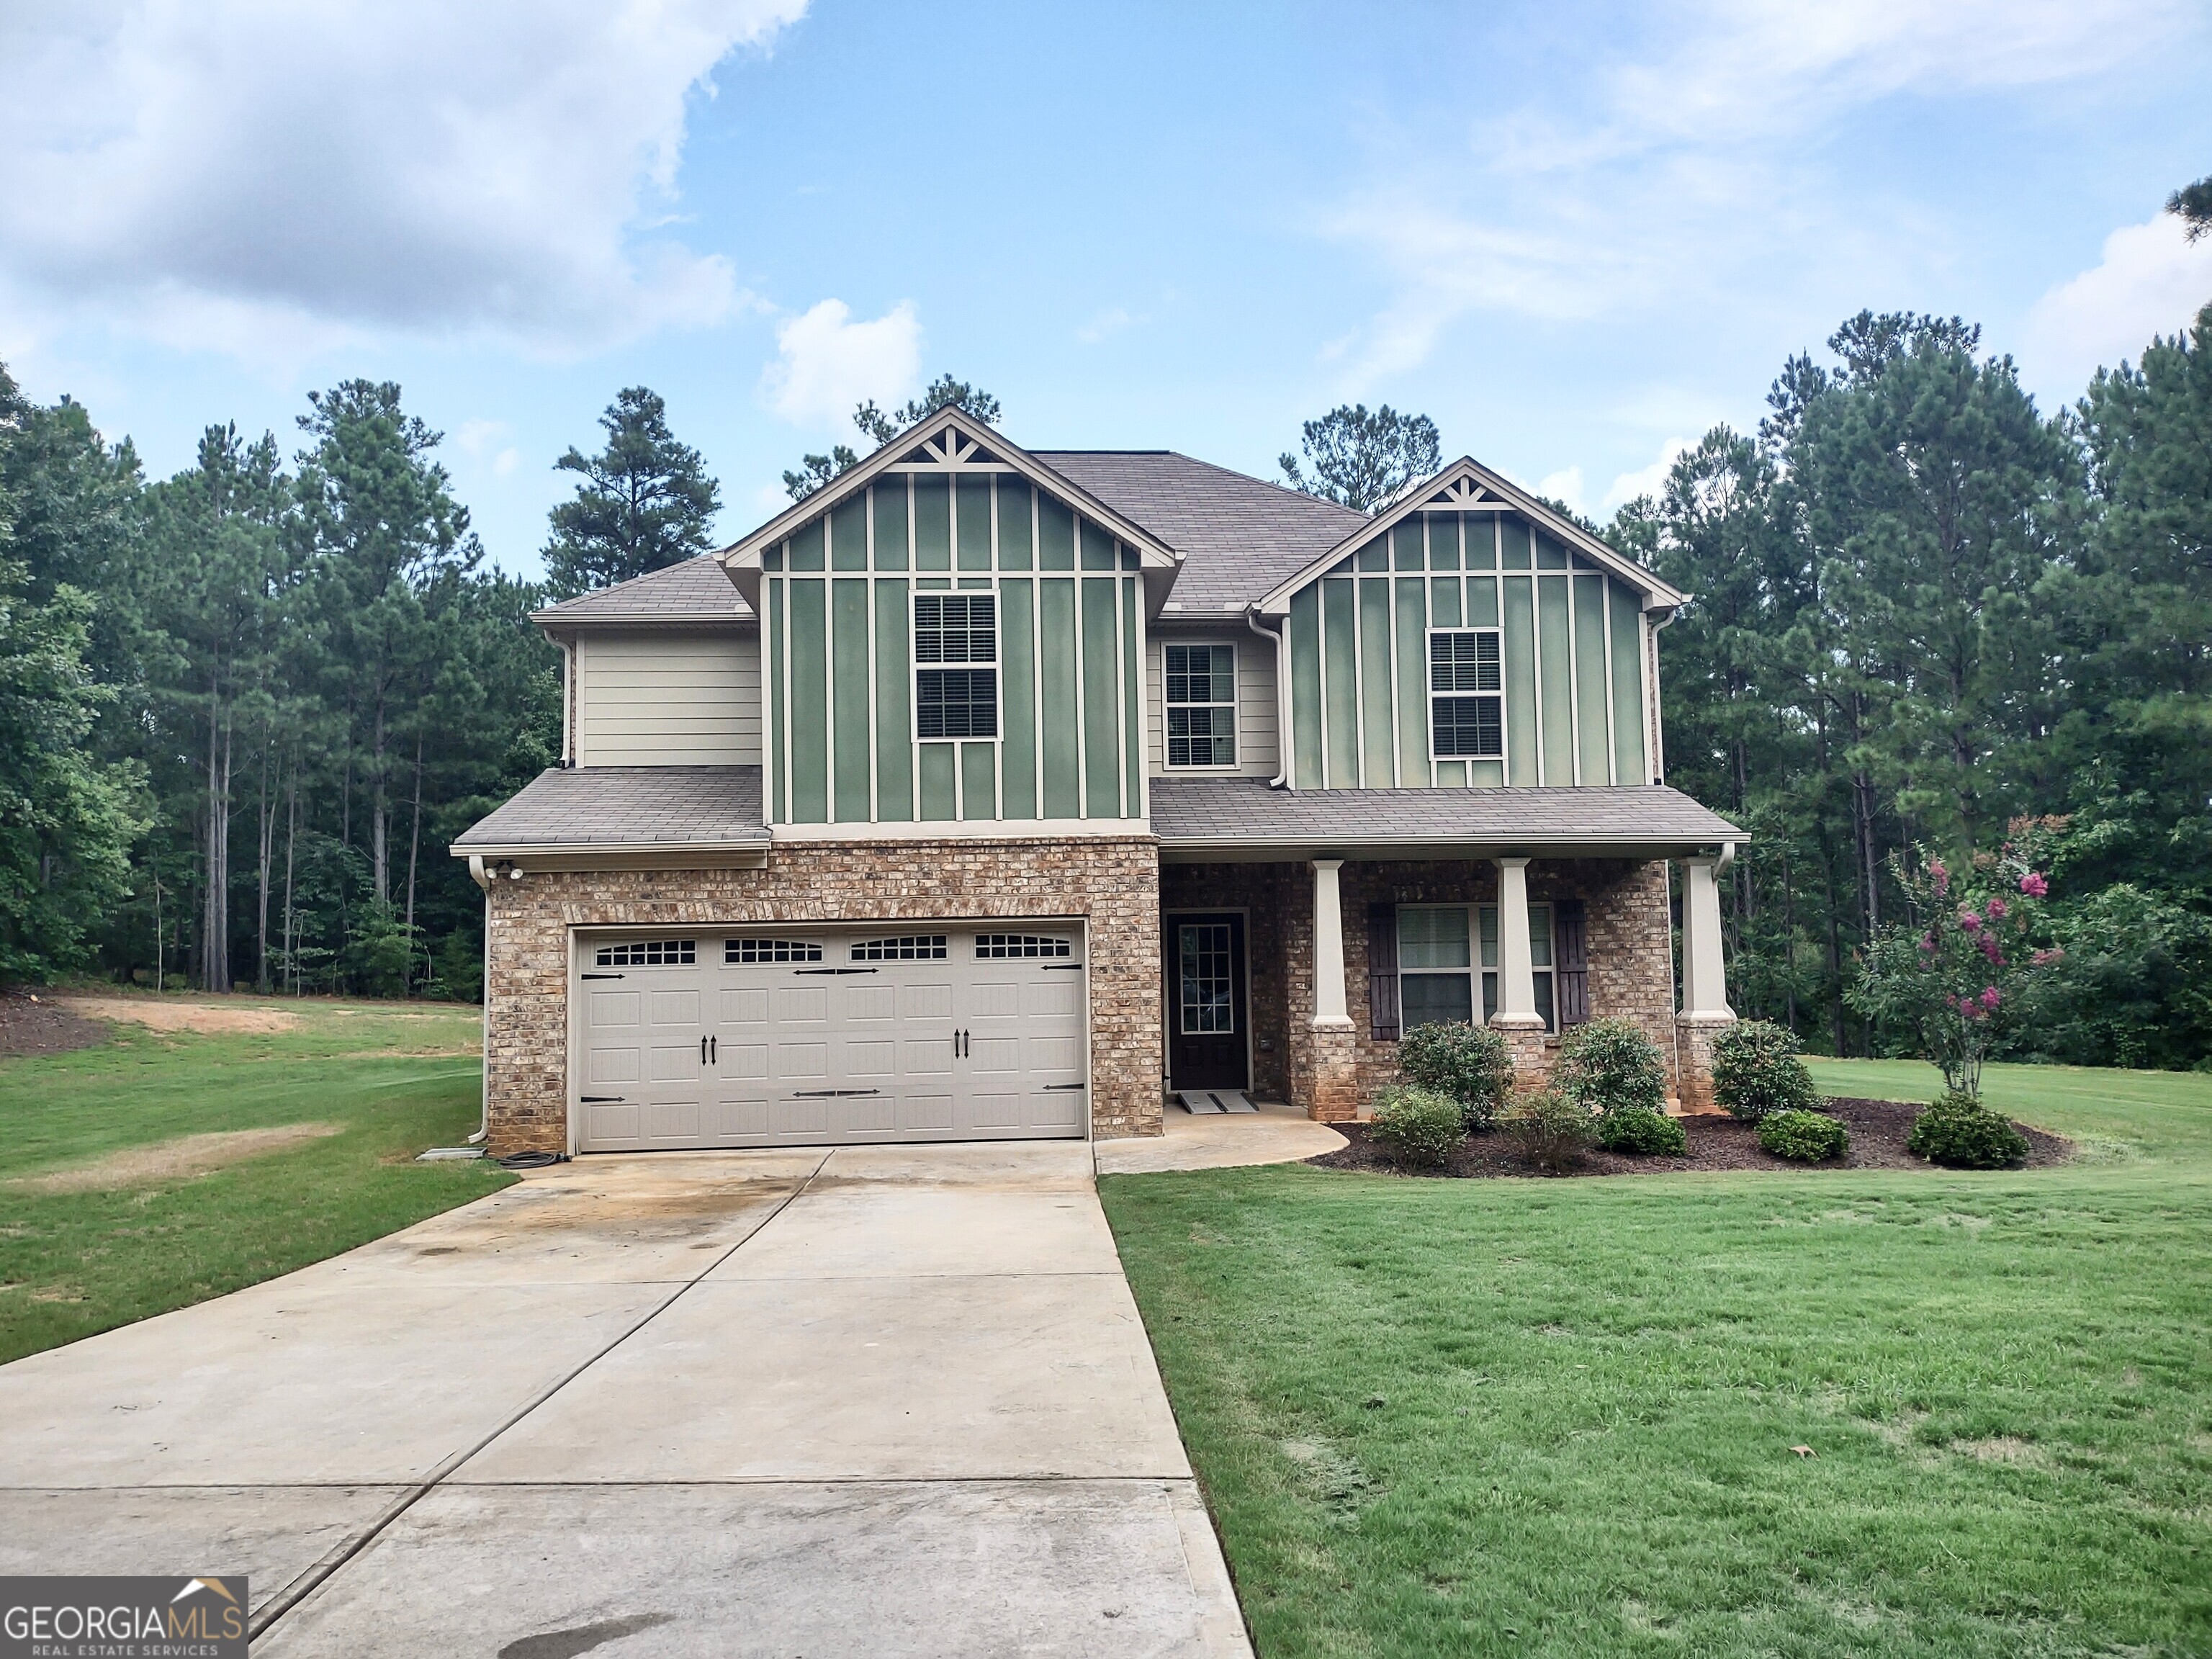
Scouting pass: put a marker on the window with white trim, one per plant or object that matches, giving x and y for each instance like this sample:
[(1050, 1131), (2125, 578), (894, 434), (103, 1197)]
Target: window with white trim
[(736, 952), (956, 657), (649, 953), (1467, 693), (999, 946), (1201, 704), (1447, 956), (908, 947)]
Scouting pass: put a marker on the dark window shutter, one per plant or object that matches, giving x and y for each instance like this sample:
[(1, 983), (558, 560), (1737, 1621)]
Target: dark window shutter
[(1383, 972), (1570, 943)]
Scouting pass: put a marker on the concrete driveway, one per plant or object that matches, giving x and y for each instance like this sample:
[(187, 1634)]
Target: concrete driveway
[(871, 1402)]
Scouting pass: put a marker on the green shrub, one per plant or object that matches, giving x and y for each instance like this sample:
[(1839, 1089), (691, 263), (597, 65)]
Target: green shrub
[(1466, 1063), (1417, 1126), (1610, 1066), (1756, 1071), (1960, 1133), (1552, 1131), (1803, 1137), (1647, 1133)]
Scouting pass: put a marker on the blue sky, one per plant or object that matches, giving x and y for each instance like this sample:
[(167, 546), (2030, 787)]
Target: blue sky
[(1576, 236)]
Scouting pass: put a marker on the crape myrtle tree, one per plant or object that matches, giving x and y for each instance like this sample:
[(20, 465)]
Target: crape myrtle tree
[(645, 502)]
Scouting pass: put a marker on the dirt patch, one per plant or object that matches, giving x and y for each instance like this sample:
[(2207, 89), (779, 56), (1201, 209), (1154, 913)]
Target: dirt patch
[(32, 1023), (213, 1019), (1879, 1128), (173, 1160)]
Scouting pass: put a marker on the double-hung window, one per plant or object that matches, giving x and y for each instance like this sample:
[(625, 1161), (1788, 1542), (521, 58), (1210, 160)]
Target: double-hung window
[(1467, 693), (1201, 705), (1448, 963), (956, 674)]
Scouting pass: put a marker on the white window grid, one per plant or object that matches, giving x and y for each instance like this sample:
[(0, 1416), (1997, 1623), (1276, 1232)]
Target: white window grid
[(969, 647), (1480, 969), (648, 953), (907, 947), (1467, 665), (997, 947), (1219, 738), (742, 950)]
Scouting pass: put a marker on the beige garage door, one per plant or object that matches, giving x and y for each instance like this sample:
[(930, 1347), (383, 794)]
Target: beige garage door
[(765, 1036)]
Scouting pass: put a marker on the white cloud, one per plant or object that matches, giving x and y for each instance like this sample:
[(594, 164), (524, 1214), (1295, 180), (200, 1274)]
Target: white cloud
[(2152, 280), (1689, 162), (1565, 485), (257, 177), (1643, 481), (826, 364), (479, 440)]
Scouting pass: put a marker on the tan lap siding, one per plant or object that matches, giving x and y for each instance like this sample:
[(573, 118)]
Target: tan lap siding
[(668, 698)]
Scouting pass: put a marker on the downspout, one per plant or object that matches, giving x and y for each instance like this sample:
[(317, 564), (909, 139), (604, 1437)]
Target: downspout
[(478, 875), (1284, 735), (1651, 673), (567, 703)]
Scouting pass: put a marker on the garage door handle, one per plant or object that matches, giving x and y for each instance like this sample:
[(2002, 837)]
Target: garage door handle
[(836, 971), (601, 976), (1066, 1085), (819, 1094), (1063, 967), (600, 1100)]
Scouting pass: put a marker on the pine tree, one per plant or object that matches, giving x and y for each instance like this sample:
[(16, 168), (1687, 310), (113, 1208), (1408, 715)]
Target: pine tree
[(646, 502)]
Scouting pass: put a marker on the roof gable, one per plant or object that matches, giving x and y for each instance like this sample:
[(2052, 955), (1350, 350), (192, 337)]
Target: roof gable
[(1468, 486), (950, 442)]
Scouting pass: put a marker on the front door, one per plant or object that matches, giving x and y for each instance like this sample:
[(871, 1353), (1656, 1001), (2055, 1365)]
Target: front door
[(1206, 1036)]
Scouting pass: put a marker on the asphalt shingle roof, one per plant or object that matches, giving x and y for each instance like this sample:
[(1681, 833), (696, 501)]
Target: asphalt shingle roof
[(695, 589), (1239, 536), (626, 806), (1228, 812)]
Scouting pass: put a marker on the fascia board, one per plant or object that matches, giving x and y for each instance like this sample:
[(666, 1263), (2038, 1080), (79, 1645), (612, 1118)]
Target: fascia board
[(743, 556), (1658, 595)]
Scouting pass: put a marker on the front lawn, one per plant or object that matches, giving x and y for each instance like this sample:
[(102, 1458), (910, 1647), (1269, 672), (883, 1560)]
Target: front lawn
[(163, 1167), (1523, 1416)]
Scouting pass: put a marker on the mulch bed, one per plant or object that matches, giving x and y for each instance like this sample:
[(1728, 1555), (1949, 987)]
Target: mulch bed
[(1878, 1131), (34, 1025)]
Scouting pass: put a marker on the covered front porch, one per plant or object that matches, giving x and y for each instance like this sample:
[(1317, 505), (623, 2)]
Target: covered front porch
[(1293, 964)]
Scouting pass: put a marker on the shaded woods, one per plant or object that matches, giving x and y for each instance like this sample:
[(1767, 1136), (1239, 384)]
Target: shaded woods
[(244, 709), (1924, 609)]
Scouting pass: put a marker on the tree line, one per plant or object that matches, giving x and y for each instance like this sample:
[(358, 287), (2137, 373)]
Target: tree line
[(244, 709)]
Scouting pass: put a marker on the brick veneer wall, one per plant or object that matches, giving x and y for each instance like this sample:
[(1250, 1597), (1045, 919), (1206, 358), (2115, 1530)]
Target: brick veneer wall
[(1112, 882), (1632, 971)]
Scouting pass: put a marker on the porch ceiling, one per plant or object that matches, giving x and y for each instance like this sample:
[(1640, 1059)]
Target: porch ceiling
[(1233, 820)]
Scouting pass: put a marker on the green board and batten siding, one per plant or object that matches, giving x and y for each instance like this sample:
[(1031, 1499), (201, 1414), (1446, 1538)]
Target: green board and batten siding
[(1574, 656), (837, 604)]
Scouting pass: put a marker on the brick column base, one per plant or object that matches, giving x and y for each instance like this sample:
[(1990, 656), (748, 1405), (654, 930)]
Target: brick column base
[(1693, 1050), (1532, 1061), (1332, 1077)]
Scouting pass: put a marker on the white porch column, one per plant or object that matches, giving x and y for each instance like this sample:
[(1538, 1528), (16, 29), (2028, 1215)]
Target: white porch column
[(1704, 981), (1517, 971), (1329, 1008)]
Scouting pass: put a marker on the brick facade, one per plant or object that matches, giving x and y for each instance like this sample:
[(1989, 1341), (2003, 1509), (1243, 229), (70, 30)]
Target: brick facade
[(1112, 882), (1631, 974)]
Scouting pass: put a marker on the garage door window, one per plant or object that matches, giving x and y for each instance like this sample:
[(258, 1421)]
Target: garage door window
[(738, 950), (649, 953), (911, 947), (997, 946)]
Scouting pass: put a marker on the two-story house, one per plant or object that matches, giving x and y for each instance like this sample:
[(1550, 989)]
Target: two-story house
[(990, 793)]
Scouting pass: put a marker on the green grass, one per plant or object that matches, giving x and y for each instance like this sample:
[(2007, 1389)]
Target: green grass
[(392, 1079), (1524, 1417)]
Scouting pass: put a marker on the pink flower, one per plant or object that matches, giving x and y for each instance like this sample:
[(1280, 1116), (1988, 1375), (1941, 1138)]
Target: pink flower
[(1969, 919), (1992, 949), (1940, 876), (2045, 958), (2033, 884), (1996, 907), (1989, 997), (1928, 942)]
